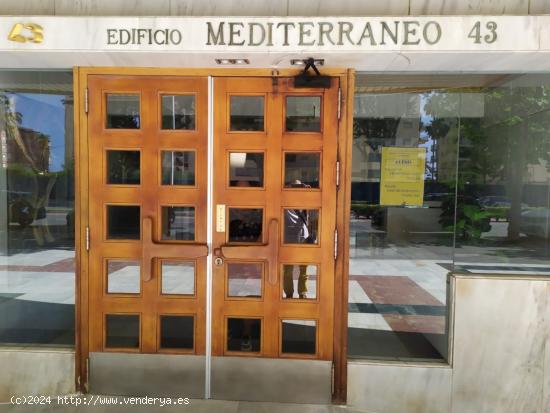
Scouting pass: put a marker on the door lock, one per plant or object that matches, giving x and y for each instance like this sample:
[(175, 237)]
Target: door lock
[(218, 261)]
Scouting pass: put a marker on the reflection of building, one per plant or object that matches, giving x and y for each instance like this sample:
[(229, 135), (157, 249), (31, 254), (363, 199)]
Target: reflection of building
[(366, 164), (382, 120), (303, 167), (68, 103), (538, 173), (445, 152), (35, 145)]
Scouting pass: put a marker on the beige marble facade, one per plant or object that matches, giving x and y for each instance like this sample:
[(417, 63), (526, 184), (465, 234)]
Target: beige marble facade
[(499, 344), (398, 388), (272, 8), (29, 371)]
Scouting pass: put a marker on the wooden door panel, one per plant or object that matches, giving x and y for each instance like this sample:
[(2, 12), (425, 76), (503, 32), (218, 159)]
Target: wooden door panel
[(150, 139), (153, 139), (275, 199)]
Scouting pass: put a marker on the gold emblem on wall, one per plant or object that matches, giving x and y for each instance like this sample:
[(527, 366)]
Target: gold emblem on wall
[(26, 32)]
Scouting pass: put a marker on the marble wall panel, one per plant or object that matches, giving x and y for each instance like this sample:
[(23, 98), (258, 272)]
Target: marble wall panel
[(468, 7), (228, 8), (387, 388), (499, 338), (112, 7), (27, 7), (36, 372), (348, 8), (272, 8), (546, 384), (539, 6)]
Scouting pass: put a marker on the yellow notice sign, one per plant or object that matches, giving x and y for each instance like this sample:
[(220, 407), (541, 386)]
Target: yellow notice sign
[(402, 177)]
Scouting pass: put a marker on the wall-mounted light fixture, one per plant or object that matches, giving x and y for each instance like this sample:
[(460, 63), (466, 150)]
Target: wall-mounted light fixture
[(233, 61), (302, 62)]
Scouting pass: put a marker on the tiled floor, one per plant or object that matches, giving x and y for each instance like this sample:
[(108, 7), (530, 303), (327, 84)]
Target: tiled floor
[(394, 303), (393, 289), (384, 289), (397, 294), (195, 406)]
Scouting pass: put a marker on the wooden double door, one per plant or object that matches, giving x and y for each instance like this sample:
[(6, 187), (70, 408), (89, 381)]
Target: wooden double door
[(215, 193)]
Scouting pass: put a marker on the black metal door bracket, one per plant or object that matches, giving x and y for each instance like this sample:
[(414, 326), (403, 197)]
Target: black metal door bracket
[(304, 80)]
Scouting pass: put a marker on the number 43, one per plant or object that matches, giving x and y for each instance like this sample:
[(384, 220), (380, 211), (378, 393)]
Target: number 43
[(475, 33)]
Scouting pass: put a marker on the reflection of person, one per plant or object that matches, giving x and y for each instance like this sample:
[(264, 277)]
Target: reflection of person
[(297, 231), (296, 226), (182, 118), (243, 184), (178, 113), (288, 281), (297, 223), (170, 228), (246, 338)]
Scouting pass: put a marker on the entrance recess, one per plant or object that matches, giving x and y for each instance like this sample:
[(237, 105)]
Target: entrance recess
[(272, 199)]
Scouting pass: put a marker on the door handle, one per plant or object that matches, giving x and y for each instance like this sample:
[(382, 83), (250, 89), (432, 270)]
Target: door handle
[(268, 251), (151, 249)]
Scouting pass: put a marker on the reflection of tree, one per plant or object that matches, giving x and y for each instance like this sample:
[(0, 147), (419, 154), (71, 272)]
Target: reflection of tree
[(437, 129), (498, 145), (33, 166), (524, 140), (373, 133), (399, 121)]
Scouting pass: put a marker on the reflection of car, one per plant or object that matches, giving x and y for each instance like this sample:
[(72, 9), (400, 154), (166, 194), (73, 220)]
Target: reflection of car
[(378, 218), (435, 199), (363, 210), (494, 201), (535, 222), (498, 207), (498, 202), (22, 211)]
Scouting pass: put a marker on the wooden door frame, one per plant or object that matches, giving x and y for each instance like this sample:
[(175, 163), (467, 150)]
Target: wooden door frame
[(81, 163)]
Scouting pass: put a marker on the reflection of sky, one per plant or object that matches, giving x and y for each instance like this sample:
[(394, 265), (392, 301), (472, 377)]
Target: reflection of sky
[(46, 114), (425, 121)]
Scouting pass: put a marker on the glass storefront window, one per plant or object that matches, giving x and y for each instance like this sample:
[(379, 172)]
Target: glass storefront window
[(480, 203), (449, 173), (503, 217), (400, 249), (37, 272)]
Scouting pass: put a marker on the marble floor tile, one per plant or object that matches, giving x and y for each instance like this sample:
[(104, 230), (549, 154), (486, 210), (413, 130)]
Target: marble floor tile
[(39, 258), (396, 290), (416, 323), (368, 321), (357, 294)]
